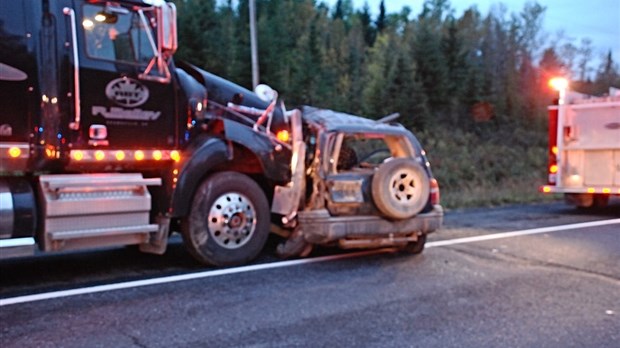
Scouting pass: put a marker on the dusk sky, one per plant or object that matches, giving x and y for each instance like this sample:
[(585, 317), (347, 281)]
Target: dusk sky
[(598, 20)]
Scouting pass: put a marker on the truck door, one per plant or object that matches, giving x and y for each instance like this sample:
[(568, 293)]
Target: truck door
[(124, 96), (16, 67)]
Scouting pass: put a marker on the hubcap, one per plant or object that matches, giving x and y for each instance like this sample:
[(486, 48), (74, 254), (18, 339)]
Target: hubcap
[(232, 220)]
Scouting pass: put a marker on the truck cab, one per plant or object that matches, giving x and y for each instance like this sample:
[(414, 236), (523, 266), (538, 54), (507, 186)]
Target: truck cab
[(105, 139)]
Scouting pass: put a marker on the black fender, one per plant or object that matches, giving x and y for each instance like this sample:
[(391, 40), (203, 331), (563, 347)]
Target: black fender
[(274, 158), (208, 154)]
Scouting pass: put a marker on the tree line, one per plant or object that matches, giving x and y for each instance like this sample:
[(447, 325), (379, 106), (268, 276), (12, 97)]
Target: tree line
[(435, 68), (475, 77)]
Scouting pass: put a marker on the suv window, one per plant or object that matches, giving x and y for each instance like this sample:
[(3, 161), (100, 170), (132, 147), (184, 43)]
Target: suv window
[(368, 150), (361, 151)]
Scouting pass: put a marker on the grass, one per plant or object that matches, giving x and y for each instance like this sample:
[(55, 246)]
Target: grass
[(515, 190), (487, 169)]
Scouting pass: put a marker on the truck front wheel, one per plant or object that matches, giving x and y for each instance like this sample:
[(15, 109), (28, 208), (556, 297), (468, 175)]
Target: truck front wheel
[(229, 220)]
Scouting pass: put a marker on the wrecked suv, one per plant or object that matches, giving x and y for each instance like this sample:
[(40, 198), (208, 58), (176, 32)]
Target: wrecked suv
[(366, 184)]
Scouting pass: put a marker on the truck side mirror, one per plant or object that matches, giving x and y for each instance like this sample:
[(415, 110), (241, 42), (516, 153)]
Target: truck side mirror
[(168, 27)]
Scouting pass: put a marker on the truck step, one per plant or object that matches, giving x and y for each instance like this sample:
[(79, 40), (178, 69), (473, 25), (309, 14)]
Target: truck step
[(98, 232), (16, 247)]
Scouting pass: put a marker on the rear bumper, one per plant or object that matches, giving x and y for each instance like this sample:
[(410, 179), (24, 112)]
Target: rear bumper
[(321, 228)]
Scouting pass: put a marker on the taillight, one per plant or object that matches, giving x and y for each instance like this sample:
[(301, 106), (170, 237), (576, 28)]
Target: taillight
[(435, 196)]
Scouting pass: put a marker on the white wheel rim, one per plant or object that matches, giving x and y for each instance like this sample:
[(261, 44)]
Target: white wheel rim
[(404, 188)]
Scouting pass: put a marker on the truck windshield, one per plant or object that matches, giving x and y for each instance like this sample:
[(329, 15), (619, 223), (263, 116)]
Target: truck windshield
[(117, 34)]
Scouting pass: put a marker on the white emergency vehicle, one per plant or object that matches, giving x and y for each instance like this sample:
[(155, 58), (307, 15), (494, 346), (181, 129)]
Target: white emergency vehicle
[(584, 146)]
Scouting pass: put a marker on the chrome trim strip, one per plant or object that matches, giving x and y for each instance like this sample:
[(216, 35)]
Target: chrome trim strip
[(75, 125), (16, 242), (6, 211)]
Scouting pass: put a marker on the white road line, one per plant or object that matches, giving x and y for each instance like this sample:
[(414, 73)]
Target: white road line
[(265, 266), (178, 278), (522, 233)]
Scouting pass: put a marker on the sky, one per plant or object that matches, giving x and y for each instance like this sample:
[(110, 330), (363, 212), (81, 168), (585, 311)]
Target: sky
[(598, 20)]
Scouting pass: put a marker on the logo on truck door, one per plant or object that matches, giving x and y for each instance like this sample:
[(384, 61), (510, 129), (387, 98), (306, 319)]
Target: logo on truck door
[(127, 92)]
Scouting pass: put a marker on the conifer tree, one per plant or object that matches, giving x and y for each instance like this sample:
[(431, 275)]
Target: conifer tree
[(380, 23), (607, 76)]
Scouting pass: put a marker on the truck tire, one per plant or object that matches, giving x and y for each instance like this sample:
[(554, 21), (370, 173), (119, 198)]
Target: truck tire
[(600, 201), (229, 219), (400, 188), (587, 200)]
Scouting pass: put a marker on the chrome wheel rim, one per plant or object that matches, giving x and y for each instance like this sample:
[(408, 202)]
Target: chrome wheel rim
[(232, 220)]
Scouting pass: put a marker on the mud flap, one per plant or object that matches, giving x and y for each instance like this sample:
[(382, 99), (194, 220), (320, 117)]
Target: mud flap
[(158, 241)]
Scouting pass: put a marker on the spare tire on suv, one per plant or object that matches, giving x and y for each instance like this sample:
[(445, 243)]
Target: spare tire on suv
[(400, 188)]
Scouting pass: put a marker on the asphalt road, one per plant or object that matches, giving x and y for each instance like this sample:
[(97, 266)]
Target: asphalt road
[(553, 289)]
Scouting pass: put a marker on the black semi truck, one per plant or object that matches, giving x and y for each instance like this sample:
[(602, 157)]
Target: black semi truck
[(106, 140)]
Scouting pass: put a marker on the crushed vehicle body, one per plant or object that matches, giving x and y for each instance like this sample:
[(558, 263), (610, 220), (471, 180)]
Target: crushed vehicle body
[(369, 184)]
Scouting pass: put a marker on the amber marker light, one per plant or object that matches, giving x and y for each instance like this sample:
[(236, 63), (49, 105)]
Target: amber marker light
[(120, 155), (591, 190), (283, 135), (607, 190), (157, 155), (99, 155), (77, 155), (138, 155), (15, 152), (175, 155), (554, 150), (546, 189), (553, 169)]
